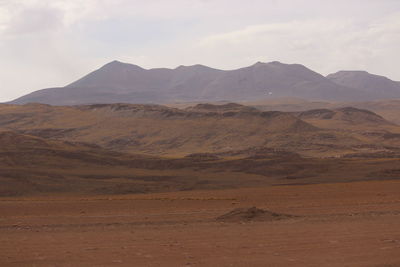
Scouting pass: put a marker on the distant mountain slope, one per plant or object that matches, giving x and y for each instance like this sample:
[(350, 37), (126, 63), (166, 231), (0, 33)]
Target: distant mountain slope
[(377, 86), (118, 82)]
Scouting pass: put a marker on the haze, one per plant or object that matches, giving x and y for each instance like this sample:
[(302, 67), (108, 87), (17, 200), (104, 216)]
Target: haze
[(51, 43)]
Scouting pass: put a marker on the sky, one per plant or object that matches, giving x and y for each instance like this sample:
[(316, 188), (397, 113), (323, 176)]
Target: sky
[(51, 43)]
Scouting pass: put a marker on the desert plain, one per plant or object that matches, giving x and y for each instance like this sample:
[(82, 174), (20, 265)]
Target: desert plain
[(341, 224)]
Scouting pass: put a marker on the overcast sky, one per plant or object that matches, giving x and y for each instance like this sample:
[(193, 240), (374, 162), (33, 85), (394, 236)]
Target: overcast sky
[(50, 43)]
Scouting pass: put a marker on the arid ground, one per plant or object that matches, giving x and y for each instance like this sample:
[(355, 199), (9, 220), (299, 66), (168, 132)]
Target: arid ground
[(341, 224)]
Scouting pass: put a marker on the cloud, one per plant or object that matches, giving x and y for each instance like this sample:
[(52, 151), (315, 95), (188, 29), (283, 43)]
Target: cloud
[(45, 43), (4, 19), (33, 20), (323, 44)]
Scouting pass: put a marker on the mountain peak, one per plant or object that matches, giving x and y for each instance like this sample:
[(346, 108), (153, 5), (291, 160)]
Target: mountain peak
[(259, 63), (276, 63), (115, 64), (194, 67), (272, 64)]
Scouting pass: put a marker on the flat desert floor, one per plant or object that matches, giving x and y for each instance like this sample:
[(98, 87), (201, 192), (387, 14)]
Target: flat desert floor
[(342, 224)]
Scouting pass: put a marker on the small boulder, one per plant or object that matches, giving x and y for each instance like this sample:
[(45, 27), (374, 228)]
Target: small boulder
[(251, 214)]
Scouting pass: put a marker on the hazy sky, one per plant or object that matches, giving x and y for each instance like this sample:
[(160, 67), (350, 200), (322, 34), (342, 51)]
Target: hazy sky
[(49, 43)]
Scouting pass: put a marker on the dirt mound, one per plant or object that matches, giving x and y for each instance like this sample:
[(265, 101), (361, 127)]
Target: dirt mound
[(355, 115), (251, 214)]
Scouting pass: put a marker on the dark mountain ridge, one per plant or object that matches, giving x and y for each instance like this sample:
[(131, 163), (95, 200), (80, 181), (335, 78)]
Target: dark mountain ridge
[(118, 82)]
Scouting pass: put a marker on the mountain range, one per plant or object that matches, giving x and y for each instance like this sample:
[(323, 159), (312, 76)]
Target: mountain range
[(118, 82)]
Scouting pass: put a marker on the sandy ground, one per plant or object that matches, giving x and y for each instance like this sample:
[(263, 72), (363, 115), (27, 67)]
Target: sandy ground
[(344, 224)]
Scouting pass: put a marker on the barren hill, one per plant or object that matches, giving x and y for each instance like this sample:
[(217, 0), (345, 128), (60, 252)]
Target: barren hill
[(204, 128), (156, 129), (346, 115), (378, 136), (388, 108)]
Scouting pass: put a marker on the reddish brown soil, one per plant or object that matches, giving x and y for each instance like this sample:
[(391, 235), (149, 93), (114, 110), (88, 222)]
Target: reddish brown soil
[(343, 224)]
